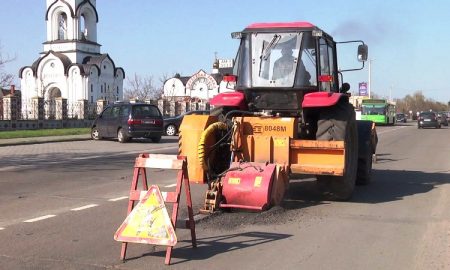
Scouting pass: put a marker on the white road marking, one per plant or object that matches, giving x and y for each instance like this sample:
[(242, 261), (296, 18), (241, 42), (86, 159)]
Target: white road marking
[(124, 153), (84, 207), (1, 229), (11, 168), (389, 130), (169, 186), (88, 157), (39, 218), (118, 199)]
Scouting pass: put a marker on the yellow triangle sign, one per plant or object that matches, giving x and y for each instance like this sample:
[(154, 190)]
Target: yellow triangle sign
[(148, 222)]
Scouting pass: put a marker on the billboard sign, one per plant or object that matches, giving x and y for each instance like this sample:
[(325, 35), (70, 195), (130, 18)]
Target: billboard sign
[(363, 89)]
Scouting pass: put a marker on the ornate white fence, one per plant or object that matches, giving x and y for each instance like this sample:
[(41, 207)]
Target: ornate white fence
[(39, 113)]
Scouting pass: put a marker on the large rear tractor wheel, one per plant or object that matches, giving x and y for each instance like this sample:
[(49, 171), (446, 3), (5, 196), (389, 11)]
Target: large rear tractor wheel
[(337, 123), (219, 112)]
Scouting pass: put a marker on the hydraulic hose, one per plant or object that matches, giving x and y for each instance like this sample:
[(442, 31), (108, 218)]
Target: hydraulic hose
[(201, 151), (239, 112)]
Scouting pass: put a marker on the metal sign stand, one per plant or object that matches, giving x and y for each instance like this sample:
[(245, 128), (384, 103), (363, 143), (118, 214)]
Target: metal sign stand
[(144, 161)]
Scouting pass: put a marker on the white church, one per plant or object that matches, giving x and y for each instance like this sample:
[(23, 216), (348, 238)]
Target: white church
[(71, 65)]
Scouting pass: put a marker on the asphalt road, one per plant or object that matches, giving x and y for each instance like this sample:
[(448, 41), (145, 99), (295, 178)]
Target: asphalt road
[(61, 203)]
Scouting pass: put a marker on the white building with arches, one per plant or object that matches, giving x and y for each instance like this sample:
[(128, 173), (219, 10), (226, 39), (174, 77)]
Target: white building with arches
[(71, 65), (201, 85)]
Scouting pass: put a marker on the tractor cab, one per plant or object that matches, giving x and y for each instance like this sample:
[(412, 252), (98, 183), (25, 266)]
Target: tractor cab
[(278, 63)]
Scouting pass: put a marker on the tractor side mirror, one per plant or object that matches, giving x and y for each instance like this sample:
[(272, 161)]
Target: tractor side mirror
[(236, 35), (363, 52)]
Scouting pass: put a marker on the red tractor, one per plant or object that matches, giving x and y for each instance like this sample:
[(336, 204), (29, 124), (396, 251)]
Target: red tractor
[(290, 114)]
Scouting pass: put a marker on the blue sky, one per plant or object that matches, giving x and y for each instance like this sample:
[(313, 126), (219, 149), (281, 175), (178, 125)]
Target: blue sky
[(408, 40)]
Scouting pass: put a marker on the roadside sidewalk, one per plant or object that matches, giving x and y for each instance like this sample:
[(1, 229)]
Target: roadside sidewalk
[(35, 140)]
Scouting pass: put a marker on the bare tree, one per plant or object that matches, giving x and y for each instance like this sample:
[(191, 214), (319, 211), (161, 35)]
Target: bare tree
[(417, 102), (141, 88), (5, 78), (162, 80)]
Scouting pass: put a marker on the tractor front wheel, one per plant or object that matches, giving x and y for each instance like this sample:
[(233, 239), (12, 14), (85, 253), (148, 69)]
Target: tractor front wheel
[(338, 123)]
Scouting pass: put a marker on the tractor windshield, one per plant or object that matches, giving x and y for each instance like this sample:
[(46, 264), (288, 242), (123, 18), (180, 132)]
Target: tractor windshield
[(276, 60)]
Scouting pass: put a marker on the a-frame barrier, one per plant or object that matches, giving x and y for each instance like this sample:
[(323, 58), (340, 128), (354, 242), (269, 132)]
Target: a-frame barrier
[(144, 161)]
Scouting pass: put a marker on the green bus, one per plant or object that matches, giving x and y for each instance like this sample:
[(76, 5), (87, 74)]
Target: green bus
[(379, 111)]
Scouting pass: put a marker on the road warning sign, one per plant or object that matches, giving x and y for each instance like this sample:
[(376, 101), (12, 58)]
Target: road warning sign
[(148, 222)]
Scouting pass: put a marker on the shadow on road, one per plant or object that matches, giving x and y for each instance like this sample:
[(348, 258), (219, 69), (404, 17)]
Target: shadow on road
[(209, 247), (393, 185), (164, 139), (386, 186)]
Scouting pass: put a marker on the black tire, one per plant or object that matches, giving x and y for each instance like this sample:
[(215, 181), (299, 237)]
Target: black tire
[(156, 139), (95, 135), (364, 172), (367, 141), (338, 123), (221, 112), (121, 137), (171, 130)]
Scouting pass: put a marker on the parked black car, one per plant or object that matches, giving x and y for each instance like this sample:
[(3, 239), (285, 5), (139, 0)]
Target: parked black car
[(442, 118), (400, 117), (428, 119), (172, 124), (128, 120)]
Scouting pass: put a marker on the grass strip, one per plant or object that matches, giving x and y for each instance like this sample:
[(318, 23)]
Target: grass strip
[(43, 132)]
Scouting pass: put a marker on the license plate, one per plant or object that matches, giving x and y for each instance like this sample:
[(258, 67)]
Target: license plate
[(149, 121), (427, 120)]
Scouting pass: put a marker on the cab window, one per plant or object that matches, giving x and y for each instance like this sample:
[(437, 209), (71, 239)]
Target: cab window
[(306, 74), (326, 66)]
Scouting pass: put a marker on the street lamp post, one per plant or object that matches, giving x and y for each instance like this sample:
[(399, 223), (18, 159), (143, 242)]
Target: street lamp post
[(370, 78)]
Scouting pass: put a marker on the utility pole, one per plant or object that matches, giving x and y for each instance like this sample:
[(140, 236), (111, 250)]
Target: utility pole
[(370, 78), (390, 92)]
